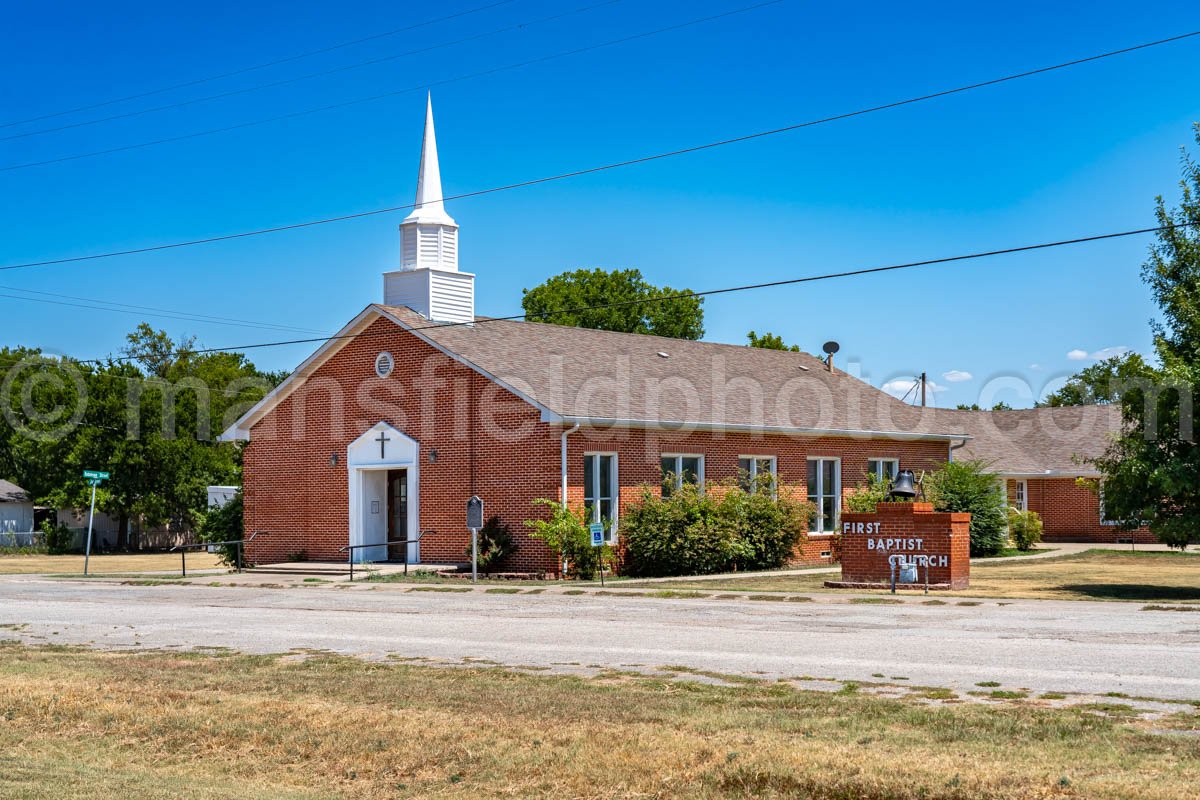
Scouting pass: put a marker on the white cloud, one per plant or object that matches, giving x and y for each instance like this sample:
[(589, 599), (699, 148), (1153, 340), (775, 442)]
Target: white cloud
[(957, 375), (1099, 355), (1036, 367), (902, 386), (1110, 352)]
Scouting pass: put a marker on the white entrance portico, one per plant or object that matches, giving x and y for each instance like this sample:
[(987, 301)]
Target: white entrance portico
[(382, 467)]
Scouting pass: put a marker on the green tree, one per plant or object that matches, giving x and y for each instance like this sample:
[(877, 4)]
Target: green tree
[(770, 341), (1151, 472), (153, 430), (999, 406), (615, 300), (1101, 383)]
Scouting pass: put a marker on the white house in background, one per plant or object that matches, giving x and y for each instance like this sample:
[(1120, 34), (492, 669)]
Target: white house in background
[(16, 514), (220, 495)]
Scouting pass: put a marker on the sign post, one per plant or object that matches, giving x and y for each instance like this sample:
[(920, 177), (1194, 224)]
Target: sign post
[(475, 522), (596, 529), (94, 477)]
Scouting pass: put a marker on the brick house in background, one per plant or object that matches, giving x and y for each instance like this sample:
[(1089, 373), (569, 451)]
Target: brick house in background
[(417, 404), (1043, 455)]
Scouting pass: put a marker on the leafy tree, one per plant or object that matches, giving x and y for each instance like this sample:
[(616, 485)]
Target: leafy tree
[(153, 430), (999, 406), (969, 486), (1101, 383), (630, 304), (770, 341), (1151, 472)]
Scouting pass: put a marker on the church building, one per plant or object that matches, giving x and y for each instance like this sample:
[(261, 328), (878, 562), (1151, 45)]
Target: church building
[(418, 403)]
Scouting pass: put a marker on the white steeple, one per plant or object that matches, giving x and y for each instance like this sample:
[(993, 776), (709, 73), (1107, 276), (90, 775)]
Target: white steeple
[(429, 206), (428, 280)]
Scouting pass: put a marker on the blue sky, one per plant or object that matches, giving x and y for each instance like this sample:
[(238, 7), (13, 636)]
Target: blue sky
[(1072, 153)]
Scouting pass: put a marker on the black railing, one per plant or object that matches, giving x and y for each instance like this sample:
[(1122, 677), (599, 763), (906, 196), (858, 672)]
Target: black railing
[(241, 543), (350, 548)]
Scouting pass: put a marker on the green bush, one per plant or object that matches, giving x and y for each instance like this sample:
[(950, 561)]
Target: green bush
[(1024, 528), (223, 524), (721, 529), (495, 544), (968, 486), (863, 499), (566, 533), (56, 538), (687, 533)]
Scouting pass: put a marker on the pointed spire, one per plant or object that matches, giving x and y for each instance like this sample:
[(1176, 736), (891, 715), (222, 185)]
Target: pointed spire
[(429, 206)]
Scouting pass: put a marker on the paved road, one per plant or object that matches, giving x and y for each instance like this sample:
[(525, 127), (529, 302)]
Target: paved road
[(1040, 645)]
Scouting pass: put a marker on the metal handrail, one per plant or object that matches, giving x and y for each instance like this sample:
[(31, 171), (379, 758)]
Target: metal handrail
[(241, 543), (352, 547)]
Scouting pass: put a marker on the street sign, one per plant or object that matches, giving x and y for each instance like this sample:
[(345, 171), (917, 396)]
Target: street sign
[(94, 477), (597, 531), (475, 512)]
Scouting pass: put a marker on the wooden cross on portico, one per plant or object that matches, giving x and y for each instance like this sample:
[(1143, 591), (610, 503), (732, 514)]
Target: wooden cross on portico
[(383, 440)]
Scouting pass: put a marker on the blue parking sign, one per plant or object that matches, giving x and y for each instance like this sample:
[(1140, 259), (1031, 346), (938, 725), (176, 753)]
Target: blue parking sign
[(597, 530)]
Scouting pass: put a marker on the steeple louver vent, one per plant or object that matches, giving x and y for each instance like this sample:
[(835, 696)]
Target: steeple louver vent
[(428, 280)]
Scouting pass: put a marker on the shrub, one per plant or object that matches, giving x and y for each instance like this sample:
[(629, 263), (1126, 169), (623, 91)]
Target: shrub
[(56, 538), (1024, 528), (495, 544), (768, 527), (724, 528), (566, 533), (863, 499), (687, 533), (968, 486), (223, 524)]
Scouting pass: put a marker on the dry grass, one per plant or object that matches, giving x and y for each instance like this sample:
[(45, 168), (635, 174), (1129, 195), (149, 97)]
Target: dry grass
[(1092, 575), (78, 725), (117, 564)]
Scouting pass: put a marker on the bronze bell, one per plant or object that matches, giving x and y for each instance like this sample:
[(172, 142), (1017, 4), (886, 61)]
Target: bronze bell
[(904, 485)]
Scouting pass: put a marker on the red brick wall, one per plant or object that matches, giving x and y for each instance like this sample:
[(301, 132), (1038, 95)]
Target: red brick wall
[(1071, 513), (938, 533), (639, 451), (489, 443), (294, 493)]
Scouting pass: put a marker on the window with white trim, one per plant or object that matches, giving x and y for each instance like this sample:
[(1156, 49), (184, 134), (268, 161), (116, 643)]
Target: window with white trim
[(1104, 520), (601, 490), (1020, 499), (680, 467), (884, 469), (825, 493), (755, 472)]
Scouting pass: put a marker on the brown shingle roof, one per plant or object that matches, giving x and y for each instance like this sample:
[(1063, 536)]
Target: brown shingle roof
[(11, 493), (583, 373), (1037, 440)]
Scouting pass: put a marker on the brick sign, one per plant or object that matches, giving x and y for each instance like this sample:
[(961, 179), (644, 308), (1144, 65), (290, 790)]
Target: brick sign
[(907, 539)]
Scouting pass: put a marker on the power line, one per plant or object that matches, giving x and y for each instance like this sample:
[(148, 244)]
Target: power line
[(96, 304), (605, 167), (726, 290), (310, 75), (384, 95), (255, 67)]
